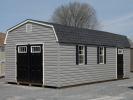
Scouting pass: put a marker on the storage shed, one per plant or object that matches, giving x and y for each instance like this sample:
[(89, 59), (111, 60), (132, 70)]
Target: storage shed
[(50, 54)]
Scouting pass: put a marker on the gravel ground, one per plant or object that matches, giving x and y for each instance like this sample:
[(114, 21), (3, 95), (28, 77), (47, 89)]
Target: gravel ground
[(113, 90)]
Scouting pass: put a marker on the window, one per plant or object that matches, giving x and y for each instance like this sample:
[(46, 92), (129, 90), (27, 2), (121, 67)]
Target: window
[(22, 49), (101, 55), (35, 49), (81, 54), (120, 51), (28, 28)]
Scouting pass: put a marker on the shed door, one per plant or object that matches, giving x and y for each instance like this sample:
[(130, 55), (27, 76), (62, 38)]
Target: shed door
[(120, 72), (23, 63), (36, 63), (29, 63)]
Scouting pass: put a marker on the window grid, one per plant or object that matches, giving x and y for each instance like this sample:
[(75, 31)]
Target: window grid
[(35, 49), (101, 55), (22, 49), (81, 54), (120, 51)]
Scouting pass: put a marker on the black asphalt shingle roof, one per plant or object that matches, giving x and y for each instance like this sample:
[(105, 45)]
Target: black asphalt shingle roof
[(68, 34), (89, 37)]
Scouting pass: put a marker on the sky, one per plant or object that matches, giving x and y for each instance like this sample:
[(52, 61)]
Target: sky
[(115, 16)]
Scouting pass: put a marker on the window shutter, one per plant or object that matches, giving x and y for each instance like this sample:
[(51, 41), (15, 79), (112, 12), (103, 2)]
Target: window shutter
[(97, 55), (85, 55), (77, 55), (104, 55)]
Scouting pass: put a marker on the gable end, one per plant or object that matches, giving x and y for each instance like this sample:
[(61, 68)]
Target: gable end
[(30, 21)]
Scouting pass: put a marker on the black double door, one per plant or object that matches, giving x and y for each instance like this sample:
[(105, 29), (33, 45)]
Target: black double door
[(30, 63), (120, 72)]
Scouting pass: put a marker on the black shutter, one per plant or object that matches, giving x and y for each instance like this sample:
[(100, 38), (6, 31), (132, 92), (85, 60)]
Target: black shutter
[(77, 55), (104, 55), (85, 55), (97, 55)]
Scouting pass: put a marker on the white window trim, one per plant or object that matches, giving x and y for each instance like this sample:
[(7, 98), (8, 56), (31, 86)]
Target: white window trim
[(101, 55), (120, 50), (35, 51), (81, 54), (20, 51)]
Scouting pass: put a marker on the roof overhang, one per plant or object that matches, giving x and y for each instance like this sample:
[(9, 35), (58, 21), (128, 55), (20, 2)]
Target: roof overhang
[(30, 21)]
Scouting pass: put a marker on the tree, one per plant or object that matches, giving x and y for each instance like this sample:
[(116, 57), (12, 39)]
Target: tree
[(76, 14)]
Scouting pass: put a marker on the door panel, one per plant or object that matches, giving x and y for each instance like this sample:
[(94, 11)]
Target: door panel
[(22, 63), (120, 66), (36, 63), (29, 63)]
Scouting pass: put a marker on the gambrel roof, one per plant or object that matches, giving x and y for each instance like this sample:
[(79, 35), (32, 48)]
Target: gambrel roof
[(73, 35)]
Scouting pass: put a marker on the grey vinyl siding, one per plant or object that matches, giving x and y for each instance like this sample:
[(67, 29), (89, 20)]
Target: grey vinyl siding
[(39, 34), (126, 57), (71, 74), (60, 67)]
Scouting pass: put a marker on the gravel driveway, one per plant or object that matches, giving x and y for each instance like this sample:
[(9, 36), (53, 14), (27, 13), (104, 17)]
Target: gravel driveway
[(113, 90)]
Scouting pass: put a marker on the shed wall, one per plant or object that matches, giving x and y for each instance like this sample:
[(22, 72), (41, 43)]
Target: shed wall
[(39, 34), (71, 74)]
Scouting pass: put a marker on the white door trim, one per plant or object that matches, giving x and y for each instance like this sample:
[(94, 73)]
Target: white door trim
[(42, 58)]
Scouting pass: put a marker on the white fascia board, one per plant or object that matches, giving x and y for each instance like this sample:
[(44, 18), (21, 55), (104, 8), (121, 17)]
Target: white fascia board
[(31, 21)]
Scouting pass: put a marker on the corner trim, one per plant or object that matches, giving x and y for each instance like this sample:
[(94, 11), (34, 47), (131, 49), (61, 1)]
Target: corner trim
[(116, 63)]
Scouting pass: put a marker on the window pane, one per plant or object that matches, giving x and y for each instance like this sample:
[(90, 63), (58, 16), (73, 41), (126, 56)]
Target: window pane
[(35, 49), (81, 59), (81, 52), (22, 49), (101, 55), (80, 48), (101, 59), (101, 50)]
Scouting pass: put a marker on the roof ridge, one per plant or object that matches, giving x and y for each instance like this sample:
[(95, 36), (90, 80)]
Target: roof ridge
[(51, 23)]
